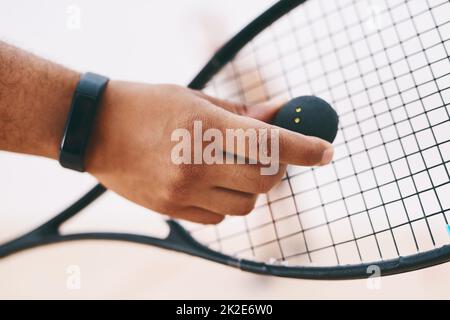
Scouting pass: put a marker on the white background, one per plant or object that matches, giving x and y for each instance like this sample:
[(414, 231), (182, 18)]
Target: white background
[(152, 41)]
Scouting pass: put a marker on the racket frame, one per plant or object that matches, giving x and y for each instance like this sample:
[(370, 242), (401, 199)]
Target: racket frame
[(179, 239)]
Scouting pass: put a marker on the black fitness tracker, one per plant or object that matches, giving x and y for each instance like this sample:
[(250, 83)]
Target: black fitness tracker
[(80, 120)]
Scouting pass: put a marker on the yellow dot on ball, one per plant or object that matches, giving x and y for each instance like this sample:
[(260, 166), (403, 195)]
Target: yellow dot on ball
[(298, 109), (297, 120)]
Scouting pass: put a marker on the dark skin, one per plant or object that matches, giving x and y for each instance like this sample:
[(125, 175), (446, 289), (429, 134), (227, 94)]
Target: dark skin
[(129, 149)]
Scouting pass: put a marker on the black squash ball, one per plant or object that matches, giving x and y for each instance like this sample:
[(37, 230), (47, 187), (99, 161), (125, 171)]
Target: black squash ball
[(310, 116)]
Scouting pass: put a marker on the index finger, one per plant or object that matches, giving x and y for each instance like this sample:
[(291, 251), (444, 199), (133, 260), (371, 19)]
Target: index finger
[(294, 148)]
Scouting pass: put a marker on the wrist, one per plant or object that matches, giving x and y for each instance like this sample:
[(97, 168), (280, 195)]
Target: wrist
[(98, 147), (80, 121), (59, 107)]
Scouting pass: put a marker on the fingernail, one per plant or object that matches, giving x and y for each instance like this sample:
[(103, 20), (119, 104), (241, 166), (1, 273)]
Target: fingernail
[(327, 156)]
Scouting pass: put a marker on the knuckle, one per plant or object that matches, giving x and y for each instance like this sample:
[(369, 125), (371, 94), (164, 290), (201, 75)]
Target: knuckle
[(266, 183), (244, 207), (283, 145), (239, 108), (178, 188), (279, 174), (167, 207), (185, 174), (214, 219), (198, 112), (177, 193), (254, 140), (247, 176), (263, 138), (189, 120), (247, 207)]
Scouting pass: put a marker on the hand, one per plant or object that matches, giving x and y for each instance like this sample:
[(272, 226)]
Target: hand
[(130, 151)]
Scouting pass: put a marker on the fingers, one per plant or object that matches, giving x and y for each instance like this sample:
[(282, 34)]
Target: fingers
[(264, 111), (304, 150), (233, 189), (245, 178), (294, 148), (227, 202), (199, 215), (234, 192), (261, 111)]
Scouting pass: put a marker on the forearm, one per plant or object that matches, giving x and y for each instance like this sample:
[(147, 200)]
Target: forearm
[(35, 97)]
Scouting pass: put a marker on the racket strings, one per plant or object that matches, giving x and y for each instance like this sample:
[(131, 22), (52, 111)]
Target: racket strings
[(360, 74), (385, 67), (332, 51)]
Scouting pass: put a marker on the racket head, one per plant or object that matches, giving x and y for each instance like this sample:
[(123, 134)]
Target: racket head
[(384, 66), (297, 230)]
